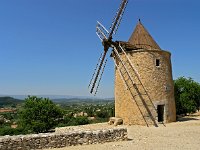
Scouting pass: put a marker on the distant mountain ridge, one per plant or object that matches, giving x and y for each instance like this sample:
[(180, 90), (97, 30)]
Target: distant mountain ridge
[(7, 101), (56, 97), (75, 100)]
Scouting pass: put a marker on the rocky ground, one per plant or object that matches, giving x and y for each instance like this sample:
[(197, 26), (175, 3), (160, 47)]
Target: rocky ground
[(183, 134)]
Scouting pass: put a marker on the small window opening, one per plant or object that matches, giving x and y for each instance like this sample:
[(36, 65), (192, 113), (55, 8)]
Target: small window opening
[(157, 62)]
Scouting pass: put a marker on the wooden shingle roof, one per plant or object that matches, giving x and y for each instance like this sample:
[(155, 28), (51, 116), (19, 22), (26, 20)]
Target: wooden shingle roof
[(142, 39)]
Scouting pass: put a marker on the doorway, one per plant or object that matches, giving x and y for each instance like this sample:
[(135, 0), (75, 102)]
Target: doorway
[(160, 111)]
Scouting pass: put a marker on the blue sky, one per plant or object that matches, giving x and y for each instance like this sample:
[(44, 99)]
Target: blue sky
[(50, 46)]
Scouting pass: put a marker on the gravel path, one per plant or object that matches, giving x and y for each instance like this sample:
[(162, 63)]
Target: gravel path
[(184, 135)]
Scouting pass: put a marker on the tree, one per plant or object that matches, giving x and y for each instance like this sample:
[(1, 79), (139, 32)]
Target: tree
[(187, 95), (90, 111), (39, 114), (102, 114)]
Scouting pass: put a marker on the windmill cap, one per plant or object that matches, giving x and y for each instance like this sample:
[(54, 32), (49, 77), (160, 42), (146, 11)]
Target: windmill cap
[(142, 39)]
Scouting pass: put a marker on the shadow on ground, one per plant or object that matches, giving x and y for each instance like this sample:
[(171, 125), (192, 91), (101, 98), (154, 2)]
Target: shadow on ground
[(186, 119)]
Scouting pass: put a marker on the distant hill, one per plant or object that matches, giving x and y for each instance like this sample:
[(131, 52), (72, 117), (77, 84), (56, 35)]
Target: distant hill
[(9, 101), (70, 101), (56, 97), (12, 100)]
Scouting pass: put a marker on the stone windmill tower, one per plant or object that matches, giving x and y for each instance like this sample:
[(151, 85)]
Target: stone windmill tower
[(151, 99), (144, 92)]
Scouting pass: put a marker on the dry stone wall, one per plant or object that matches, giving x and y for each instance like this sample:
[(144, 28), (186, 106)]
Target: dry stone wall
[(58, 140)]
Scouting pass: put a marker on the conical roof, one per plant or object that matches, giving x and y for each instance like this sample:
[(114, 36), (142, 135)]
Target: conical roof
[(142, 39)]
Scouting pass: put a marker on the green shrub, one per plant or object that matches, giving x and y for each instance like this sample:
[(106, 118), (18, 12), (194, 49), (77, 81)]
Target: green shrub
[(77, 121), (6, 130)]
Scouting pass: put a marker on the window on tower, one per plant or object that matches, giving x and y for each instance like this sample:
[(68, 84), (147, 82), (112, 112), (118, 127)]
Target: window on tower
[(157, 62)]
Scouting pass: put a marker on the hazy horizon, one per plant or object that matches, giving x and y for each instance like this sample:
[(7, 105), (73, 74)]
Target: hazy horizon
[(55, 96)]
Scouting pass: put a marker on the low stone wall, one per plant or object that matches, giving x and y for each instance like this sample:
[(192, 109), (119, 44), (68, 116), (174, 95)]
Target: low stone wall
[(58, 140)]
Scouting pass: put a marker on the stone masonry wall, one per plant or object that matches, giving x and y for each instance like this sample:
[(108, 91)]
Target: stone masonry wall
[(58, 140), (157, 81)]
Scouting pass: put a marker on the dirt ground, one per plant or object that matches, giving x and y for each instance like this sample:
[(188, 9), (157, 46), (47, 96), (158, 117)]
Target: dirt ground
[(183, 134)]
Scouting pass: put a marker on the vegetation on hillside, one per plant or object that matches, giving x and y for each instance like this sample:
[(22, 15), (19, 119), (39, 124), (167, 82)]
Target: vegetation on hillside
[(7, 101), (37, 115)]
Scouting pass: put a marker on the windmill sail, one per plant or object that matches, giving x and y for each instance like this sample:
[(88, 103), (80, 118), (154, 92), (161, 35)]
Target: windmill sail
[(99, 79), (101, 31), (97, 73), (95, 70), (117, 19), (106, 38)]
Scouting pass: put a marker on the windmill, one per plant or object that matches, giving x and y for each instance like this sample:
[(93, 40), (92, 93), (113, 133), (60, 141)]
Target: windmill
[(106, 38), (144, 92)]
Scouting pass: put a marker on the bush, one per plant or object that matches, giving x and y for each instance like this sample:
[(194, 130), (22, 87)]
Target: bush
[(82, 120), (72, 121), (6, 130)]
